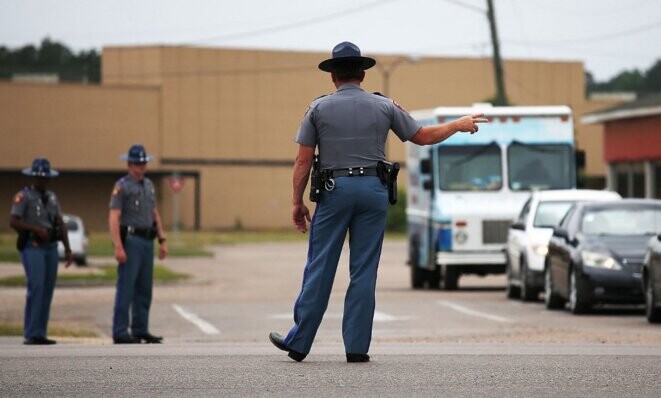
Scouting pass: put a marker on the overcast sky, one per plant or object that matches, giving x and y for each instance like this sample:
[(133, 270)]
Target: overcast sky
[(607, 35)]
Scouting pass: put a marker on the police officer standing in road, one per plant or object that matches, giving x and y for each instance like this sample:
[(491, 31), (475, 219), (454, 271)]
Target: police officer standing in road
[(134, 223), (36, 216), (350, 128)]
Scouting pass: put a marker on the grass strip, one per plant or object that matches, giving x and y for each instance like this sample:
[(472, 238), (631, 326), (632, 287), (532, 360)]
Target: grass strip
[(103, 275), (16, 329)]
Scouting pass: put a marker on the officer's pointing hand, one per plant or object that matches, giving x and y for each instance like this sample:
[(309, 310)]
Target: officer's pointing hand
[(300, 214), (468, 123)]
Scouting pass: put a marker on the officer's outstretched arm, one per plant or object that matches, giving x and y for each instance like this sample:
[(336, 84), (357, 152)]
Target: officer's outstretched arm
[(428, 135)]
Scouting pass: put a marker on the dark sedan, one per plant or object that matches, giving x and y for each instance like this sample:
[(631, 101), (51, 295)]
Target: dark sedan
[(652, 280), (596, 254)]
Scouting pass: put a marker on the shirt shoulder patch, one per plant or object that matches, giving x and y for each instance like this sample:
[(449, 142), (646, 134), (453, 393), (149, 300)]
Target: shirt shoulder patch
[(399, 106), (18, 198), (116, 189)]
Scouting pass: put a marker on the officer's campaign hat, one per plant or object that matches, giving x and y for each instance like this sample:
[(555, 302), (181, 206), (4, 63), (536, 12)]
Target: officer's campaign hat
[(40, 168), (344, 53), (137, 154)]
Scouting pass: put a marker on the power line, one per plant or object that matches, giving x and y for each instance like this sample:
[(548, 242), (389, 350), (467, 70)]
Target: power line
[(467, 6), (293, 25), (652, 26)]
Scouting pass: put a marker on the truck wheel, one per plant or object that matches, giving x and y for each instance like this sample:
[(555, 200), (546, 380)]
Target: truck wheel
[(418, 275), (450, 278), (434, 278), (551, 300), (579, 302)]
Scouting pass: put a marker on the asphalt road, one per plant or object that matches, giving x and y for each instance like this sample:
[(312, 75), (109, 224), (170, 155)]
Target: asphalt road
[(472, 342)]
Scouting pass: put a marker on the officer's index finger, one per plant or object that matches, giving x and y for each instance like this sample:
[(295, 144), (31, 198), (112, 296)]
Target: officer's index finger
[(479, 118)]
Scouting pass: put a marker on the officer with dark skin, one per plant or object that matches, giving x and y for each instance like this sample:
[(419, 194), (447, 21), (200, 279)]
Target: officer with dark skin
[(349, 128), (134, 223), (36, 216)]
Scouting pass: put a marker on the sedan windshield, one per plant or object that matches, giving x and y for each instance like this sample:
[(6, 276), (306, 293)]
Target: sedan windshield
[(470, 167), (631, 221)]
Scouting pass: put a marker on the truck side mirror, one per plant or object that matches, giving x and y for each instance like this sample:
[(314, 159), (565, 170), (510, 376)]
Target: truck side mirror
[(427, 185), (658, 237), (425, 166)]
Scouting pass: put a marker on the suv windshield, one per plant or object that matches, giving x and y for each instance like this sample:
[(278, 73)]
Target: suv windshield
[(470, 167), (540, 166), (549, 214)]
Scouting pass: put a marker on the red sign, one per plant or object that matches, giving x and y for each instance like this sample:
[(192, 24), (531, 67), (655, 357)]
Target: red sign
[(176, 184)]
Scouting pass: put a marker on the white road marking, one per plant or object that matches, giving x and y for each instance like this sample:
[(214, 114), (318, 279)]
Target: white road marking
[(204, 326), (378, 316), (468, 311)]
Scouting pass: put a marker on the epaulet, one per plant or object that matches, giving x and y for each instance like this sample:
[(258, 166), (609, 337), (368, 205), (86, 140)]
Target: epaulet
[(322, 96), (379, 94)]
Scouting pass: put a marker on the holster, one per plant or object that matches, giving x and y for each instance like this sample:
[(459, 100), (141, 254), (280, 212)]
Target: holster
[(316, 181), (22, 240), (387, 173)]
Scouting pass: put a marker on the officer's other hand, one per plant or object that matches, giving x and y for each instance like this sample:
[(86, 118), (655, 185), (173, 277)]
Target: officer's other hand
[(300, 214), (120, 255), (68, 257), (42, 234), (468, 123), (162, 251)]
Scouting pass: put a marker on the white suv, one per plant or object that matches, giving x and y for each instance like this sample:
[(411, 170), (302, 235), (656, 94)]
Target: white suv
[(528, 237), (77, 239)]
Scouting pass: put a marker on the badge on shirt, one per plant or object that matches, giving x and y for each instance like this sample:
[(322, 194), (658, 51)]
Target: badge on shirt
[(18, 198)]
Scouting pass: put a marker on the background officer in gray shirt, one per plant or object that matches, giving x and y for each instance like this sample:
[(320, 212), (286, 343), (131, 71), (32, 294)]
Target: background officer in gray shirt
[(350, 128), (134, 223), (36, 216)]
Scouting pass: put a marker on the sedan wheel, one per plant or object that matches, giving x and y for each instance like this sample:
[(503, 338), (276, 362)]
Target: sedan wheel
[(578, 301), (551, 300), (652, 313)]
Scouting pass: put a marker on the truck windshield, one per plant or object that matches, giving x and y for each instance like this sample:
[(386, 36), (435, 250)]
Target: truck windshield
[(539, 166), (470, 167)]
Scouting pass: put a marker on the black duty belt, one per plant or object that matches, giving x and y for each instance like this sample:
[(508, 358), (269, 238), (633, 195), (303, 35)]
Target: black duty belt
[(351, 172), (148, 233)]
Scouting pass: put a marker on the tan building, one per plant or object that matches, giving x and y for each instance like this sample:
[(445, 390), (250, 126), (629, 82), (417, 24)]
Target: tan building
[(225, 119)]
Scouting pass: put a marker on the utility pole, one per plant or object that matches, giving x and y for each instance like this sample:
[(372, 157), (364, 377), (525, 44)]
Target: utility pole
[(501, 96)]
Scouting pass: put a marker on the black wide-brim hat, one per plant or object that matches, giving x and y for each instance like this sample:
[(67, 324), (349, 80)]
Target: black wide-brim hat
[(346, 53), (137, 154), (40, 168)]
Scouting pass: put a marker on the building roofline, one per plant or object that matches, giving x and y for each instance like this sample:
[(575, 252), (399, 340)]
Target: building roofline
[(619, 114)]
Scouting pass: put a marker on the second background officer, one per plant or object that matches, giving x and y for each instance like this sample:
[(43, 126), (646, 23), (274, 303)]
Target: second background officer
[(134, 222)]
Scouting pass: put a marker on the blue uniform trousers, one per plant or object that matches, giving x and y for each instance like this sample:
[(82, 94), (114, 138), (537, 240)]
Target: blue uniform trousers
[(358, 205), (40, 264), (134, 288)]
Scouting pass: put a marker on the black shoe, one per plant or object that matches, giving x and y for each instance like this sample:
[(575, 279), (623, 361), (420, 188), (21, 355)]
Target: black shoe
[(38, 341), (279, 341), (149, 338), (358, 358), (126, 340)]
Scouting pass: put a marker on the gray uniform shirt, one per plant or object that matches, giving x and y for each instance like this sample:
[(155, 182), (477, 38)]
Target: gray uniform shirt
[(34, 208), (136, 200), (350, 127)]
